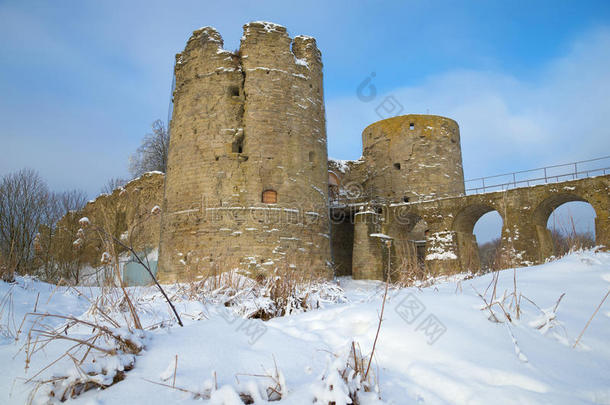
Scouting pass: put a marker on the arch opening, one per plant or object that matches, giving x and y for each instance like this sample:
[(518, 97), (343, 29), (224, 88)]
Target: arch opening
[(564, 222), (479, 229), (488, 235), (342, 239)]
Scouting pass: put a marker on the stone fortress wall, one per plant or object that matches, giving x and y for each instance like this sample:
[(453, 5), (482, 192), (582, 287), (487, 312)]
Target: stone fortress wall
[(408, 158), (252, 122), (408, 188), (449, 244), (126, 214), (249, 184)]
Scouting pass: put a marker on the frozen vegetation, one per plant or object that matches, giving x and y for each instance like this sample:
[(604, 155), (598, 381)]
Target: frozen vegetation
[(459, 340)]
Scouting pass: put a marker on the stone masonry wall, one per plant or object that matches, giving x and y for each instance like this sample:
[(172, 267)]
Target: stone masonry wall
[(128, 208), (405, 159), (245, 123), (414, 157), (450, 243)]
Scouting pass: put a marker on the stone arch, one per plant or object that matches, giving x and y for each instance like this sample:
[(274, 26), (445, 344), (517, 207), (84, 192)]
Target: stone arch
[(408, 221), (463, 226), (546, 207), (468, 216), (543, 211), (402, 218)]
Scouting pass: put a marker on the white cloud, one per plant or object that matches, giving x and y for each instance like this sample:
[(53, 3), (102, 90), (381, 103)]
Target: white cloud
[(556, 114)]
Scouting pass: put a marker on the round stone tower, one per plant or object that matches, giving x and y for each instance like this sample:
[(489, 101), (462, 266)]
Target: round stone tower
[(413, 157), (247, 182)]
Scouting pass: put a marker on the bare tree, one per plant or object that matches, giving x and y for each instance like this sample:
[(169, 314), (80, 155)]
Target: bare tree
[(112, 184), (152, 153), (58, 204), (71, 200), (564, 242), (23, 196), (488, 254), (55, 257)]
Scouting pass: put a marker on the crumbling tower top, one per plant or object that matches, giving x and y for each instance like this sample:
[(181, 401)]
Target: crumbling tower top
[(414, 157)]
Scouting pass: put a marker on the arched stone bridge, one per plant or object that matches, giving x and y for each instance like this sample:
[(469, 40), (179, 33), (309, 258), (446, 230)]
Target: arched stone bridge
[(450, 245)]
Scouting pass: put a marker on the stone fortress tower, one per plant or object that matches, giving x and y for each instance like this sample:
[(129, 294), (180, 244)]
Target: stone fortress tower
[(408, 158), (413, 157), (405, 159), (247, 182)]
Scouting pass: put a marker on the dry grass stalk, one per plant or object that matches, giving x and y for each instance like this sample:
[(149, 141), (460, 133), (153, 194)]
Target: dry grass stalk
[(196, 395), (591, 318), (8, 326), (261, 294), (513, 309), (86, 381), (275, 390), (113, 245), (175, 370), (356, 373), (98, 343), (409, 268), (385, 295), (346, 378), (566, 239), (125, 344)]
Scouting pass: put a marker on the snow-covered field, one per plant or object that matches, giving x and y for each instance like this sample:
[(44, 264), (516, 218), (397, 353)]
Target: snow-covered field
[(436, 344)]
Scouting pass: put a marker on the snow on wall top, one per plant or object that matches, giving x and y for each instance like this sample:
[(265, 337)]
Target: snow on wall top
[(343, 165), (147, 174), (266, 25)]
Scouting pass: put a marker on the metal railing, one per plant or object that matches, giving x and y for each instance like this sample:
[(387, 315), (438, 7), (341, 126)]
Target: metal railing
[(544, 175)]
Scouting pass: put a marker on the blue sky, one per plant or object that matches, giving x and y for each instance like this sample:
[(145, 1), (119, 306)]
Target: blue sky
[(528, 81)]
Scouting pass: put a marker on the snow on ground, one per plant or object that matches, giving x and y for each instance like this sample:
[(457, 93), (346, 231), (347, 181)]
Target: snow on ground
[(436, 345)]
